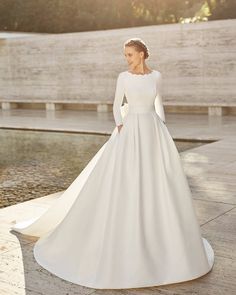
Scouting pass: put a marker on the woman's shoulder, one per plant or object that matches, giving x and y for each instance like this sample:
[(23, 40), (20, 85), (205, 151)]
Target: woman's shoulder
[(123, 73), (157, 72), (158, 75), (120, 75)]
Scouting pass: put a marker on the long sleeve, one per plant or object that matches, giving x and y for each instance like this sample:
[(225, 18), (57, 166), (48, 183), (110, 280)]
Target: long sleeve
[(158, 100), (119, 95)]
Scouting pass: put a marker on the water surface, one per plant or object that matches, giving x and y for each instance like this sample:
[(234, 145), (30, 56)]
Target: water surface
[(37, 163)]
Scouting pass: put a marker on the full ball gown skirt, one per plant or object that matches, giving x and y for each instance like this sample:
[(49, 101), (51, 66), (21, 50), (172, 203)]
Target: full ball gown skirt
[(128, 219)]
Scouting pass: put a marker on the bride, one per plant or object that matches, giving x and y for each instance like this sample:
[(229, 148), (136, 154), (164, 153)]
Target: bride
[(128, 219)]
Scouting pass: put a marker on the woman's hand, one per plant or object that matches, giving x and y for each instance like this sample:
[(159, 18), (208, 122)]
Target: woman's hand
[(119, 127)]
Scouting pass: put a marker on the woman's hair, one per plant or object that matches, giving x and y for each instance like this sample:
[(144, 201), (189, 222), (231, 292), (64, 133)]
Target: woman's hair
[(139, 45)]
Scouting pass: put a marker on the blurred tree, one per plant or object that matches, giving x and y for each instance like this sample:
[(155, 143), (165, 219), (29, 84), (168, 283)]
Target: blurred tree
[(59, 16), (222, 9)]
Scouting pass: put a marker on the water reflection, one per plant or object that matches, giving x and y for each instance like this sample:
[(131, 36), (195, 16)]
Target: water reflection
[(35, 163)]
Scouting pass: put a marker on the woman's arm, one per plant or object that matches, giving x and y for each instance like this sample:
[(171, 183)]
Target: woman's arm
[(119, 95), (158, 100)]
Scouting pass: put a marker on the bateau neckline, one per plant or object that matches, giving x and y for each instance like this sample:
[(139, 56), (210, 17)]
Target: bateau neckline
[(140, 74)]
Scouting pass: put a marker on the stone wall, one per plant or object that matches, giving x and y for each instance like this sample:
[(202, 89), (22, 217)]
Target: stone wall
[(197, 61)]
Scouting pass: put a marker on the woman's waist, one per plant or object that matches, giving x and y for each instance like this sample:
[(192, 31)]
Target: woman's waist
[(141, 108)]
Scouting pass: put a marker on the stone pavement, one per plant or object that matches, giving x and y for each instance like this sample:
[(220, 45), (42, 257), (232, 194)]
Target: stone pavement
[(211, 172)]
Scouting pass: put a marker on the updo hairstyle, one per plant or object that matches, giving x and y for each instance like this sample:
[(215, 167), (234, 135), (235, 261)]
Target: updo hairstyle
[(139, 45)]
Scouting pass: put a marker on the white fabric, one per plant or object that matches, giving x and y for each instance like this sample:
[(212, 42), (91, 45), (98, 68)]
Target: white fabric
[(128, 219), (127, 84)]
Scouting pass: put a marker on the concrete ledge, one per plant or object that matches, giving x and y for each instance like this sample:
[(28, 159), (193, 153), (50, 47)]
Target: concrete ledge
[(102, 107), (212, 109), (50, 106), (9, 105), (216, 111)]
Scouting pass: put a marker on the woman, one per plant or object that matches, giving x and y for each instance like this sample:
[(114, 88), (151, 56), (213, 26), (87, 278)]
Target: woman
[(127, 220)]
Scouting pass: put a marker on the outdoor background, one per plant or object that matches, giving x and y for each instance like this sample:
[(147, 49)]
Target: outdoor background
[(59, 16)]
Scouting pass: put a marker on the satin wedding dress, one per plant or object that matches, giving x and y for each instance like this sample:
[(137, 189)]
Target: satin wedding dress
[(128, 219)]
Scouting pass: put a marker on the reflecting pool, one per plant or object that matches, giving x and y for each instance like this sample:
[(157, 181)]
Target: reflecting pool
[(37, 163)]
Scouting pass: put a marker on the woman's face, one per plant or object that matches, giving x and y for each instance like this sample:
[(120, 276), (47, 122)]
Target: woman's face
[(133, 57)]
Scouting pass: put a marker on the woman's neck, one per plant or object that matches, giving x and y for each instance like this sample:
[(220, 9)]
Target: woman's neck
[(143, 69)]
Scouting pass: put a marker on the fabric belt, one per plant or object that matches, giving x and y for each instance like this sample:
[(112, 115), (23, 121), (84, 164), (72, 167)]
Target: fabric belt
[(141, 108)]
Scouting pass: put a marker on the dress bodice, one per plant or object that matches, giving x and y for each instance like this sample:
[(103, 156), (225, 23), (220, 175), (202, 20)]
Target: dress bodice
[(140, 90)]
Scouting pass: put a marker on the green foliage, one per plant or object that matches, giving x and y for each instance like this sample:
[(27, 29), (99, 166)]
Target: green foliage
[(58, 16)]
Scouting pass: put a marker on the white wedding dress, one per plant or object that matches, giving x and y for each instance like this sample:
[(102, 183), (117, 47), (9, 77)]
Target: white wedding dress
[(128, 219)]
